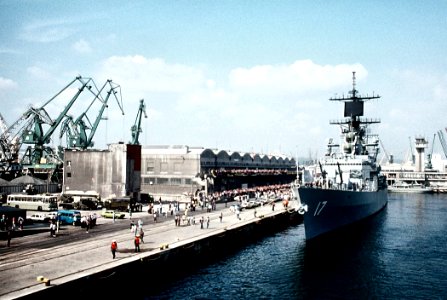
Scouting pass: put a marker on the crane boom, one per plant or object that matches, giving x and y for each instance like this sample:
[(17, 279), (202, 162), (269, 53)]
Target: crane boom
[(10, 139), (79, 139), (136, 128), (430, 155), (37, 136), (443, 143), (113, 90)]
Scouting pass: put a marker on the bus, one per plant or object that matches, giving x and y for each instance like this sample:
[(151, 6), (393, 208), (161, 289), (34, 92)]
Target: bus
[(41, 202)]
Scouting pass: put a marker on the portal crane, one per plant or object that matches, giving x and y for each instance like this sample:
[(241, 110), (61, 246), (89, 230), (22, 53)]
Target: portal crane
[(4, 138), (387, 156), (136, 128), (37, 137), (11, 142), (442, 140), (78, 137), (430, 155), (68, 128)]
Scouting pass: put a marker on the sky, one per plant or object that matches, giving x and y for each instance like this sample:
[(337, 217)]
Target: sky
[(248, 76)]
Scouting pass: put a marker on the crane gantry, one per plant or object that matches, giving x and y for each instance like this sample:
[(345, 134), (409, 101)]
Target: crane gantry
[(136, 128), (76, 130), (39, 154), (35, 128)]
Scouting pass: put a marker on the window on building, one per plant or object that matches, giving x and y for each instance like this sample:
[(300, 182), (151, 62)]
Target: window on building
[(69, 174), (176, 181), (162, 180), (188, 181), (149, 166)]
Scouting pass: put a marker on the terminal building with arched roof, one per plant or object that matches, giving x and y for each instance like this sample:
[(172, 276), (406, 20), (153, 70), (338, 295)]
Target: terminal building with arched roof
[(172, 172)]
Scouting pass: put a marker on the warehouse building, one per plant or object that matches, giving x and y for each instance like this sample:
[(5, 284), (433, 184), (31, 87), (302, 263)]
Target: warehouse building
[(170, 172), (114, 172), (173, 172)]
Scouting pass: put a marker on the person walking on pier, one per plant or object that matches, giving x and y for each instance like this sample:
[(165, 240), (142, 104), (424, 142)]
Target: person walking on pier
[(137, 243), (220, 217), (208, 222), (9, 233), (141, 234), (113, 248), (3, 223), (53, 229), (21, 221)]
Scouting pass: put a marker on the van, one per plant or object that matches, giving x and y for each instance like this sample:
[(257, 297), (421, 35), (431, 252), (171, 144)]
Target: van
[(69, 216)]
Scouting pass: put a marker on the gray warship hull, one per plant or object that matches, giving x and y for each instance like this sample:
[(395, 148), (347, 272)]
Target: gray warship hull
[(330, 209)]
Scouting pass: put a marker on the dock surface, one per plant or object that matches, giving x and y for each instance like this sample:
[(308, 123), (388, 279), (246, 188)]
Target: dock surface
[(75, 253)]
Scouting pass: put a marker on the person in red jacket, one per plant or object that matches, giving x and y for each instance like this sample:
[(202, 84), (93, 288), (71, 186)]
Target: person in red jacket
[(137, 243), (113, 248)]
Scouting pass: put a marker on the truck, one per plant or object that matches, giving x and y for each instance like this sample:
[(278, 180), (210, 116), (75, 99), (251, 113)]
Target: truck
[(124, 203), (89, 200)]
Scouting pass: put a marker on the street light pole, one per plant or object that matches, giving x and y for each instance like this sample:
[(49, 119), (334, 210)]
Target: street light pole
[(206, 185), (150, 190)]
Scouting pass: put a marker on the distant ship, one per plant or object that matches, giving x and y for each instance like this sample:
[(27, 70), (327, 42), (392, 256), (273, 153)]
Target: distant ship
[(404, 187), (347, 185)]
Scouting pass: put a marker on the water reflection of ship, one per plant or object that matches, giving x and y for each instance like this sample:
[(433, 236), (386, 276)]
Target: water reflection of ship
[(347, 184)]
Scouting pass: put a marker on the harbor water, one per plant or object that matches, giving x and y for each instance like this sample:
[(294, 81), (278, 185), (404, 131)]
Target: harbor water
[(400, 253)]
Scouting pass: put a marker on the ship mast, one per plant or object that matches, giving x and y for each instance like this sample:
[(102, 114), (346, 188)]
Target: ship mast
[(353, 112)]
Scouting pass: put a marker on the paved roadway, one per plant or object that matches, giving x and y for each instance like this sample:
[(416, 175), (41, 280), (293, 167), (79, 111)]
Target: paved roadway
[(75, 253)]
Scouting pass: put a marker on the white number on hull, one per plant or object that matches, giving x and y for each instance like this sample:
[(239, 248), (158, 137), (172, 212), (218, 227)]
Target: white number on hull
[(319, 208)]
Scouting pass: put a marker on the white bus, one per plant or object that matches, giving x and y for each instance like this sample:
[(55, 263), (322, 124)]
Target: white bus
[(40, 202)]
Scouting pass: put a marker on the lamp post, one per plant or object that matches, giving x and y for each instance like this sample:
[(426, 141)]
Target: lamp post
[(150, 189), (206, 185)]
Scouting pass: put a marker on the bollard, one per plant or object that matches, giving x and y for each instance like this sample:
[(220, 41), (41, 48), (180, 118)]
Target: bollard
[(43, 280), (164, 246)]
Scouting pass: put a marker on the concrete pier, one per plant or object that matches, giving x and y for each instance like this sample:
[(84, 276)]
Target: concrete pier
[(39, 265)]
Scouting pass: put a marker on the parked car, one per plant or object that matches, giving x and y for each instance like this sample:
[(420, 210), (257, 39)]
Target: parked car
[(51, 215), (38, 217), (252, 204), (109, 214)]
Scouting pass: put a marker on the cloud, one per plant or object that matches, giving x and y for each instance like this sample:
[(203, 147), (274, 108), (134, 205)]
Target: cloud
[(151, 75), (38, 73), (7, 84), (9, 51), (192, 108), (46, 31), (82, 46), (300, 77)]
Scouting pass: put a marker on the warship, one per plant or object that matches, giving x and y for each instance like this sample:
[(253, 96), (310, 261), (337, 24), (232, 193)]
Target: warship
[(346, 185)]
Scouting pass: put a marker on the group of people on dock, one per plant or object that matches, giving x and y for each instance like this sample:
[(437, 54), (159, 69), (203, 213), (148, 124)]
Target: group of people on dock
[(280, 192)]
